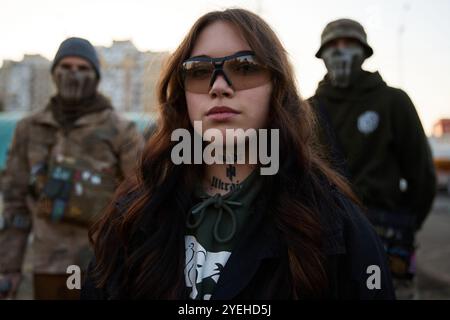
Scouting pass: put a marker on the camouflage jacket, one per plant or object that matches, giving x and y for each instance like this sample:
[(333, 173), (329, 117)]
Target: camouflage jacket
[(103, 138)]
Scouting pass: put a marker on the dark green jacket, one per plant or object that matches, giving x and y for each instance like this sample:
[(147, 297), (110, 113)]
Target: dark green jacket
[(378, 132)]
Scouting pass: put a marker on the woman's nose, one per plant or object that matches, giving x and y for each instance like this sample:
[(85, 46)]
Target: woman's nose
[(220, 87)]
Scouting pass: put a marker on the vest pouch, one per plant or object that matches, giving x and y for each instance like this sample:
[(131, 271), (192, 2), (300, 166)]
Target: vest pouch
[(74, 193), (396, 231)]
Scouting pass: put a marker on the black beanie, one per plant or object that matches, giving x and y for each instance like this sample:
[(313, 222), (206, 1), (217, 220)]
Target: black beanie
[(77, 47)]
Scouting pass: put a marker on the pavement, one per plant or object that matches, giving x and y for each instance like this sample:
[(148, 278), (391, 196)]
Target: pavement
[(433, 255)]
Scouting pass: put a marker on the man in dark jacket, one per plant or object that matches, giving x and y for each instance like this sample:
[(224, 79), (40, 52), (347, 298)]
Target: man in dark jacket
[(377, 131)]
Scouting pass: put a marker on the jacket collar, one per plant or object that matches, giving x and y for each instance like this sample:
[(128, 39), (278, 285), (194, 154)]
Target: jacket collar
[(257, 243), (45, 117), (262, 241), (366, 82)]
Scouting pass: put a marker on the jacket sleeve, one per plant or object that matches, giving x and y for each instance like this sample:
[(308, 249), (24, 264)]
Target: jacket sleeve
[(414, 156), (130, 147), (326, 136), (365, 273), (111, 291), (13, 237), (89, 290)]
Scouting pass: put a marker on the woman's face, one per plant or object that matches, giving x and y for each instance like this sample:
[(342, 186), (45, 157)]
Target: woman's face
[(249, 107)]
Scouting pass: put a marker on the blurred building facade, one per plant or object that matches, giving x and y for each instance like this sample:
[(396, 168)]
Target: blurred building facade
[(25, 85), (440, 147), (441, 127), (129, 78)]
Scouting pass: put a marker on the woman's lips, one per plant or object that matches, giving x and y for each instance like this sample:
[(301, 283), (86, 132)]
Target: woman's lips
[(221, 113)]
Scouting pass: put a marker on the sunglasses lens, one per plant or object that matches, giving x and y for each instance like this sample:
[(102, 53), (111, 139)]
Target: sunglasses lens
[(197, 75), (246, 73)]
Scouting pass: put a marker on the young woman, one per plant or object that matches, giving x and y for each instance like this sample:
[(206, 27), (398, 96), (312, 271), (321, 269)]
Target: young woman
[(221, 231)]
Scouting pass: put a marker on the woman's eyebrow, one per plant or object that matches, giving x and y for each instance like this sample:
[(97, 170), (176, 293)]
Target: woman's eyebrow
[(200, 56), (235, 53)]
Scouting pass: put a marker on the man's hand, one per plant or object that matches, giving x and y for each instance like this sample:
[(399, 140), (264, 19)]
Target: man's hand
[(9, 283)]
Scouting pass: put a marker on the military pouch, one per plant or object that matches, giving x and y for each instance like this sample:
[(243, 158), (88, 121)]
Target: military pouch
[(74, 193), (401, 262), (59, 184), (38, 178), (396, 230)]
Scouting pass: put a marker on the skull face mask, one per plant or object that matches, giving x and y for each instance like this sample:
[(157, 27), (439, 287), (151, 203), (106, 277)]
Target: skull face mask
[(343, 64), (75, 85)]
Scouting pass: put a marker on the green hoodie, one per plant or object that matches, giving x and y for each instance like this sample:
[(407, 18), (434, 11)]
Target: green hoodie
[(379, 133)]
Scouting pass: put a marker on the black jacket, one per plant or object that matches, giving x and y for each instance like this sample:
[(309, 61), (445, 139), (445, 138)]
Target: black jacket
[(379, 133), (258, 266)]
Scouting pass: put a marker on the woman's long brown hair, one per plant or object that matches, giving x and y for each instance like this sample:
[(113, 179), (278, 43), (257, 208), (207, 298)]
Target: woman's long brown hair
[(139, 241)]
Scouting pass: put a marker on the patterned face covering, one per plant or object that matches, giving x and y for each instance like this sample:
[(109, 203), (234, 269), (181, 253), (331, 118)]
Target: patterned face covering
[(343, 64), (75, 86)]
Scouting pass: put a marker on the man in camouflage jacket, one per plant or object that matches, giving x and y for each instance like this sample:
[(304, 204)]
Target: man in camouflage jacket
[(79, 125)]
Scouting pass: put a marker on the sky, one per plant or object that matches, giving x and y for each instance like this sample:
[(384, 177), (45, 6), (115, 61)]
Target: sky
[(410, 38)]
